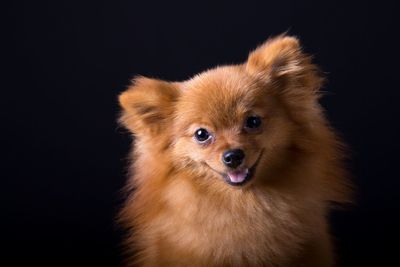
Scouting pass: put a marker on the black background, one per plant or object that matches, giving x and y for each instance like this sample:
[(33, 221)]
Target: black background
[(64, 157)]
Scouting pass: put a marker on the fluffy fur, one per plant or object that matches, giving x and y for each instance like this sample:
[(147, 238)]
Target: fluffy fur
[(183, 213)]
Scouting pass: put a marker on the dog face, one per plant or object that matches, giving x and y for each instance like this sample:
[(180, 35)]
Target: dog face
[(231, 123), (227, 122)]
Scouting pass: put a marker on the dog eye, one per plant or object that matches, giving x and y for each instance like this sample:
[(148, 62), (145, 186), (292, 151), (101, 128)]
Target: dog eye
[(202, 135), (252, 123)]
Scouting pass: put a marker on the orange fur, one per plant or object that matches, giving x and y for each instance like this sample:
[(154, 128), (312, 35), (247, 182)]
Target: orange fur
[(182, 213)]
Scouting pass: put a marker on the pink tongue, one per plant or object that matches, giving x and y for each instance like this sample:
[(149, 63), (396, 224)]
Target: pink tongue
[(238, 176)]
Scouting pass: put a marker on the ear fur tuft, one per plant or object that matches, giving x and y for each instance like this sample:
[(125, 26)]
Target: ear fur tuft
[(147, 104), (281, 61)]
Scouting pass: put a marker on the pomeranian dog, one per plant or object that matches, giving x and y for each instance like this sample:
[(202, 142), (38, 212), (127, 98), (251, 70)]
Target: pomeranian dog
[(236, 166)]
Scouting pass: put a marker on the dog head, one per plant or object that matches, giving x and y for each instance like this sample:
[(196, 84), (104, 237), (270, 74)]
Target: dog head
[(231, 123)]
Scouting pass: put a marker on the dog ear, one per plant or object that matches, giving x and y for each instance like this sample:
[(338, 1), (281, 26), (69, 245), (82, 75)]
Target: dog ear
[(281, 62), (147, 105)]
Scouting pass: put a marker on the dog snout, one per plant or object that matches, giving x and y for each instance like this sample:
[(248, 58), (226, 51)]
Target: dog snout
[(233, 158)]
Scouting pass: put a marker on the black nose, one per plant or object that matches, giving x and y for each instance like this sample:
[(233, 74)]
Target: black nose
[(233, 158)]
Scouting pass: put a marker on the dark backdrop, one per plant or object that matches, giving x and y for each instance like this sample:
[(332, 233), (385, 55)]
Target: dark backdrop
[(64, 157)]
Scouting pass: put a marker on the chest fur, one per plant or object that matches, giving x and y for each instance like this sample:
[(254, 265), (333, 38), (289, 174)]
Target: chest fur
[(242, 228)]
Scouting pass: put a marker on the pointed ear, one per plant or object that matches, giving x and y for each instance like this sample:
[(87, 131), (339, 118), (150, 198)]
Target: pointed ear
[(147, 105), (281, 62)]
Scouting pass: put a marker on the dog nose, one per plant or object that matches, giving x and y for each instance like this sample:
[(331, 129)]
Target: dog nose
[(233, 158)]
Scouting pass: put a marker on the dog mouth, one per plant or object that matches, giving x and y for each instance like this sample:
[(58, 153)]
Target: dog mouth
[(238, 177), (241, 176)]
